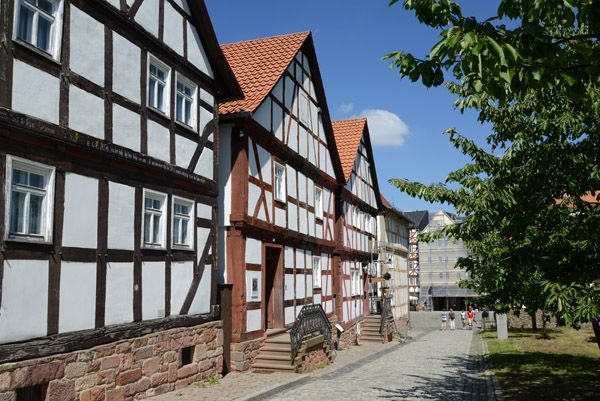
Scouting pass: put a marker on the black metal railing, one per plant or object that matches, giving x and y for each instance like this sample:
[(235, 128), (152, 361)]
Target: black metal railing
[(310, 321), (386, 310)]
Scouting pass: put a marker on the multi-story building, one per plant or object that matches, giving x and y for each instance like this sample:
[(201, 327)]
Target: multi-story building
[(439, 278), (393, 248), (108, 178), (420, 220), (279, 171)]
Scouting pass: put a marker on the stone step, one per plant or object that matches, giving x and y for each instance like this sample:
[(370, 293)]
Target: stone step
[(275, 332), (267, 366), (280, 339), (276, 347), (266, 355)]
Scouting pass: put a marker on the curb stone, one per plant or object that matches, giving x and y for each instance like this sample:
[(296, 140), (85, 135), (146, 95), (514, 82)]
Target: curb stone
[(274, 389)]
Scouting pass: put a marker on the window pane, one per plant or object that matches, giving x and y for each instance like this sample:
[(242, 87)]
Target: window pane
[(156, 204), (19, 177), (151, 92), (17, 212), (155, 229), (43, 33), (159, 96), (176, 231), (147, 222), (25, 28), (188, 112), (148, 203), (35, 214), (45, 5), (36, 180), (179, 108), (184, 231)]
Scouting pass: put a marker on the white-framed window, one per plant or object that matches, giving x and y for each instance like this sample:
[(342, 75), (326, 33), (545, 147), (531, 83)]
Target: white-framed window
[(317, 272), (182, 223), (39, 23), (154, 219), (159, 77), (185, 102), (355, 282), (29, 200), (318, 203), (279, 181)]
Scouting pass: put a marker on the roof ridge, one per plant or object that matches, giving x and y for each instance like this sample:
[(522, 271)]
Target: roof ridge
[(306, 33)]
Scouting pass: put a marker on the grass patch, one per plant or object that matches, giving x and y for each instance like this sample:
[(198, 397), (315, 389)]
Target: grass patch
[(561, 364)]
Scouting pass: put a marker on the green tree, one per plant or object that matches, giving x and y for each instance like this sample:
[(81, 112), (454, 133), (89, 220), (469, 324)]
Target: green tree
[(532, 225)]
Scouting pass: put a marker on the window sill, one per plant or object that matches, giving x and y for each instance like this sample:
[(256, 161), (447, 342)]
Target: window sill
[(182, 248), (36, 50), (158, 112), (153, 247), (29, 240), (283, 202), (186, 127)]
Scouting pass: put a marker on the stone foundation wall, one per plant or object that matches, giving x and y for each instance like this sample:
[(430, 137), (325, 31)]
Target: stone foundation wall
[(124, 370), (243, 354), (523, 321), (314, 357), (348, 337)]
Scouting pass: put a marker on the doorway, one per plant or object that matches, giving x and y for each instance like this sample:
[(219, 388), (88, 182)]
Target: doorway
[(273, 289)]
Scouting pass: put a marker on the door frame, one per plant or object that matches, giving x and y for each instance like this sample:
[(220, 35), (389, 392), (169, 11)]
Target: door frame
[(278, 287)]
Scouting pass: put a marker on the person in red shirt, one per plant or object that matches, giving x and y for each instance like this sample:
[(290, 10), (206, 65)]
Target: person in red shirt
[(471, 317)]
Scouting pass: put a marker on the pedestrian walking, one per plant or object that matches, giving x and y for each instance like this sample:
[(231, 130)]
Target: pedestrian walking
[(463, 319), (484, 317), (470, 317), (444, 318), (452, 317)]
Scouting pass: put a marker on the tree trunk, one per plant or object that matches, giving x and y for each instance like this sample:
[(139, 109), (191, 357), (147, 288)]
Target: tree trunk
[(534, 323), (596, 326)]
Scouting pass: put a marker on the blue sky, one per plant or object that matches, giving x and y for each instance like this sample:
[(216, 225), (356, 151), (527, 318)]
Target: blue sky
[(406, 119)]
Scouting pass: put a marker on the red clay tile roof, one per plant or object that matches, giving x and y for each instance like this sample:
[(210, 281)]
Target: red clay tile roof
[(589, 198), (258, 64), (385, 202), (348, 134)]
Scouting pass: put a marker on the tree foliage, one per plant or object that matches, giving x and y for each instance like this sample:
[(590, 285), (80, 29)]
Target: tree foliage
[(532, 227)]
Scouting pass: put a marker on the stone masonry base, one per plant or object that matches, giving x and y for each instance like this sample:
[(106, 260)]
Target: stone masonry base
[(121, 371), (244, 354)]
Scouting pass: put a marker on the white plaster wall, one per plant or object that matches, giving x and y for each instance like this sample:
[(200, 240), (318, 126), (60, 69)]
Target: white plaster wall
[(148, 16), (204, 167), (173, 35), (201, 239), (278, 122), (278, 90), (290, 91), (253, 320), (201, 302), (300, 286), (81, 211), (119, 293), (207, 96), (206, 116), (322, 158), (126, 68), (249, 276), (182, 274), (263, 114), (299, 259), (292, 211), (224, 183), (345, 311), (311, 224), (35, 93), (153, 290), (196, 53), (280, 217), (184, 150), (24, 308), (126, 128), (290, 176), (86, 112), (289, 287), (204, 211), (289, 315), (158, 141), (115, 3), (303, 220), (289, 257), (87, 60), (328, 306), (302, 150), (317, 299), (77, 310), (310, 194), (184, 6), (269, 199), (264, 159), (301, 187), (253, 251), (309, 286), (121, 214)]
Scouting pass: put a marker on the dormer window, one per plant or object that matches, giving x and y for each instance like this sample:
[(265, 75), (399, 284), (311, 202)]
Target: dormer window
[(39, 22)]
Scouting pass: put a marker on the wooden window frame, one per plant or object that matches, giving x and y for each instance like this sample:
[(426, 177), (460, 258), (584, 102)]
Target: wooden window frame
[(163, 219), (317, 269), (164, 108), (55, 28), (190, 219), (194, 100), (280, 197)]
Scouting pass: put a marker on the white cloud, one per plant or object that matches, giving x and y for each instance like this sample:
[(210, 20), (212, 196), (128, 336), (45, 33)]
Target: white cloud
[(347, 108), (385, 128)]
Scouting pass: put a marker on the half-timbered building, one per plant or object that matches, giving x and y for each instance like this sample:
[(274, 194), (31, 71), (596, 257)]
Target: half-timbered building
[(108, 135), (358, 205), (279, 171), (420, 219)]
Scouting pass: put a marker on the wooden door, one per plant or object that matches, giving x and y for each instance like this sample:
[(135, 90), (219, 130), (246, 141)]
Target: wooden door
[(273, 289)]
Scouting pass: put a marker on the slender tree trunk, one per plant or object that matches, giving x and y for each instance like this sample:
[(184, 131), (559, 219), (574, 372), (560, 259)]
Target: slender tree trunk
[(596, 326), (534, 323)]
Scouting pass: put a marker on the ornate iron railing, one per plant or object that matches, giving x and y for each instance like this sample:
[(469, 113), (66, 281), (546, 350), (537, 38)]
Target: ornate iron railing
[(310, 320), (386, 310)]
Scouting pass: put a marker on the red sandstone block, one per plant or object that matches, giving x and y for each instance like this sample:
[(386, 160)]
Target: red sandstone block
[(172, 372), (123, 348), (159, 379), (98, 394), (129, 377), (4, 381), (41, 374), (161, 347), (144, 353), (181, 384), (165, 388), (10, 396), (61, 391), (105, 351), (187, 370), (111, 362), (106, 376), (71, 358), (151, 366), (116, 394), (93, 366), (138, 387)]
